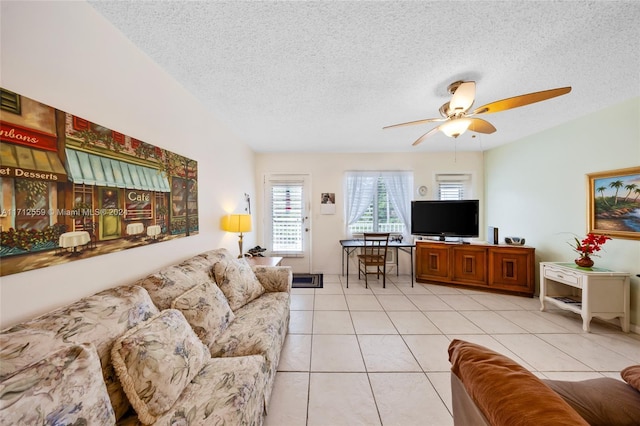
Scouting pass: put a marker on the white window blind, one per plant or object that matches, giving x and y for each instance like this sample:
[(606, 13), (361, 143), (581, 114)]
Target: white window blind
[(453, 187), (286, 216)]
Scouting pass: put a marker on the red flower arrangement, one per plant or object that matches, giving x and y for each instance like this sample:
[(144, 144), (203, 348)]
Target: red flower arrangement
[(591, 244)]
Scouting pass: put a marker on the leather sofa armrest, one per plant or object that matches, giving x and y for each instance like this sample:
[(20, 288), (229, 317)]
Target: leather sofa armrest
[(274, 278), (505, 392)]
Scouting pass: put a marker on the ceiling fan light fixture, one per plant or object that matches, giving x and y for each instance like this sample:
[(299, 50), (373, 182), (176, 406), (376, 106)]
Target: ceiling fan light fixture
[(455, 127), (457, 117)]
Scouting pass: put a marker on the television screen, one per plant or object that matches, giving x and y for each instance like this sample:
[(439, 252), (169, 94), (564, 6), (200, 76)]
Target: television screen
[(457, 218)]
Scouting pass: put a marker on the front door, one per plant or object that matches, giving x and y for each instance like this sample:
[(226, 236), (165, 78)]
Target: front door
[(110, 219), (288, 224)]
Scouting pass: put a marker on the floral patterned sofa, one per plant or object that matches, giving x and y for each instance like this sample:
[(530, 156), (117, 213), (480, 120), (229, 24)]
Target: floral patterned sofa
[(195, 343)]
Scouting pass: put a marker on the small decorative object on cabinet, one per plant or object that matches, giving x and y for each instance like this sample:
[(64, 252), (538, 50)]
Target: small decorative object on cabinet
[(587, 247), (584, 262), (597, 292)]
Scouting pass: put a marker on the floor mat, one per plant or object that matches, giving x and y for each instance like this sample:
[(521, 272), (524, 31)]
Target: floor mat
[(307, 281)]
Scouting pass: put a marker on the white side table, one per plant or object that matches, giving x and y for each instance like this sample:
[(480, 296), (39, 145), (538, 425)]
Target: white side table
[(589, 292)]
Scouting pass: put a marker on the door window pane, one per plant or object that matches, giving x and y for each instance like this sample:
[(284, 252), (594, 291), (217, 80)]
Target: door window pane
[(286, 214)]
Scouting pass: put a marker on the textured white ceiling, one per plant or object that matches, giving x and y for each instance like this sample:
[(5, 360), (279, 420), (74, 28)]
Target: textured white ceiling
[(328, 75)]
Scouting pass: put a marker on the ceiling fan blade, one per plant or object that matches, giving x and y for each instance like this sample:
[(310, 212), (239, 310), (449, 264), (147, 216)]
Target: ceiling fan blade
[(481, 126), (522, 100), (463, 97), (411, 123), (426, 135)]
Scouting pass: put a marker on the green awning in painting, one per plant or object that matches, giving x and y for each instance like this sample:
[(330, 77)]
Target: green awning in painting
[(91, 169), (30, 163)]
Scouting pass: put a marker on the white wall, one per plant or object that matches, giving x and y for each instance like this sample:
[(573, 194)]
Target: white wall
[(327, 175), (537, 188), (66, 55)]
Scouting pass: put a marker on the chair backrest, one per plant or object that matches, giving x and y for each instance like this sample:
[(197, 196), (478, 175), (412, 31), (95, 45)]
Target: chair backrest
[(376, 243)]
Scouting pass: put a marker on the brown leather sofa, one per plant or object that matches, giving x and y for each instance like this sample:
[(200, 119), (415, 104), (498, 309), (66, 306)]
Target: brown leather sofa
[(491, 389)]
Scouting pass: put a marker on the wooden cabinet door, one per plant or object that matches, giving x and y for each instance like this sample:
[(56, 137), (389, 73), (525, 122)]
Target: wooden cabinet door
[(469, 264), (511, 268), (432, 261)]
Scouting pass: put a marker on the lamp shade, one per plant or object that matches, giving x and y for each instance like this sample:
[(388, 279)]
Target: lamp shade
[(236, 223), (455, 127)]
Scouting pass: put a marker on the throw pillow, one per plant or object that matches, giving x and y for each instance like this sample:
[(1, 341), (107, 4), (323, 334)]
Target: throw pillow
[(206, 310), (156, 360), (170, 282), (631, 375), (66, 387), (238, 282)]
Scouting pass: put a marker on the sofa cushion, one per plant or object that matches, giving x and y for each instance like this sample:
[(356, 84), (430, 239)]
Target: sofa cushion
[(156, 360), (226, 391), (260, 328), (206, 310), (505, 392), (98, 319), (631, 375), (238, 282), (601, 402), (170, 282), (65, 387)]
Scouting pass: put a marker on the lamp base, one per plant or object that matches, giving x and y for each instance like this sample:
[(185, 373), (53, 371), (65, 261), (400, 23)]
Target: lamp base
[(240, 246)]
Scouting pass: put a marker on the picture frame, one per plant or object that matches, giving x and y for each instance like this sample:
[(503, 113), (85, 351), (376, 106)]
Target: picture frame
[(614, 203), (328, 203), (72, 189)]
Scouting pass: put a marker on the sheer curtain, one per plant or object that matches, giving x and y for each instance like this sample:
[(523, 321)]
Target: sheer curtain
[(400, 190), (359, 190)]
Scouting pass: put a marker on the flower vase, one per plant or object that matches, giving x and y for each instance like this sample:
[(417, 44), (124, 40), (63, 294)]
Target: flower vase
[(584, 262)]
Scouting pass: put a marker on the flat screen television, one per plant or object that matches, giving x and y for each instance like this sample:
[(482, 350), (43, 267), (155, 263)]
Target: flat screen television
[(457, 218)]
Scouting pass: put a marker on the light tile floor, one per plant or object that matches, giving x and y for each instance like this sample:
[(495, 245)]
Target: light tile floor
[(357, 356)]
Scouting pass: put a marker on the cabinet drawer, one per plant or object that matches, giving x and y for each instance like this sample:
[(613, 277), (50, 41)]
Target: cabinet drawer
[(561, 276)]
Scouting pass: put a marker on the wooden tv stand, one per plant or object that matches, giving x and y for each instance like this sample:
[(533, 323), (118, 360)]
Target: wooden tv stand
[(497, 267)]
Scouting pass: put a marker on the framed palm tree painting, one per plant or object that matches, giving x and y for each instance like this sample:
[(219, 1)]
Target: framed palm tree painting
[(614, 203)]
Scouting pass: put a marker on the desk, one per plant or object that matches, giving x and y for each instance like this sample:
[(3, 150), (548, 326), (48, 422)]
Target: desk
[(263, 261), (348, 246), (153, 231), (594, 292), (73, 240), (135, 228)]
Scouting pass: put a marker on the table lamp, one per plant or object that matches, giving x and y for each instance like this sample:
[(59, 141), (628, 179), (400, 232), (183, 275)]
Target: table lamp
[(237, 223)]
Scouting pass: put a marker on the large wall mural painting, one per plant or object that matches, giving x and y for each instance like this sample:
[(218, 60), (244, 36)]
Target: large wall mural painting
[(72, 189)]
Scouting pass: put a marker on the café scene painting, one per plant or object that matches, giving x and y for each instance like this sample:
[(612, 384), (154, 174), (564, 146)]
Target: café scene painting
[(72, 189)]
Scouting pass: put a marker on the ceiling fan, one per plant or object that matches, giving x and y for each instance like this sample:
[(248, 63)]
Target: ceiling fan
[(457, 117)]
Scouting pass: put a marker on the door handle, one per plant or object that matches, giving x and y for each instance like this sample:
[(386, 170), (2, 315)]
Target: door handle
[(306, 229)]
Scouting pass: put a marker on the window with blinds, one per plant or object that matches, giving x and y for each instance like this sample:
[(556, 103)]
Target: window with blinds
[(453, 187), (286, 217)]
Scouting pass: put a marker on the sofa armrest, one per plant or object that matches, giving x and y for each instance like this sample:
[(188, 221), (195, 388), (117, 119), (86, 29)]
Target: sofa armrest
[(465, 410), (505, 392), (274, 278)]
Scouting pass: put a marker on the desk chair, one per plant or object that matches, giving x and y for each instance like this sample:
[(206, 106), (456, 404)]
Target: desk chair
[(374, 254)]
